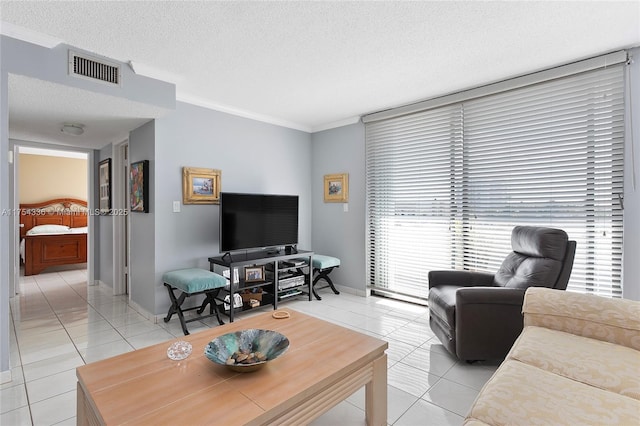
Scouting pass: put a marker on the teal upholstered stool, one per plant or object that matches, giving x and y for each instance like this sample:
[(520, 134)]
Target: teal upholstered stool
[(192, 282), (322, 267)]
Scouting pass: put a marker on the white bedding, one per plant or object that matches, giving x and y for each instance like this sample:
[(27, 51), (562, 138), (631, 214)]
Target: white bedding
[(48, 229), (81, 230)]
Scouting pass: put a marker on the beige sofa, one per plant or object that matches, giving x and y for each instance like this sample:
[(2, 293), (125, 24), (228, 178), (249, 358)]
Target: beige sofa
[(576, 362)]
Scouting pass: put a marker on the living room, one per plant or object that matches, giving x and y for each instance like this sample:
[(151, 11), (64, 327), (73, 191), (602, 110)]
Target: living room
[(254, 156)]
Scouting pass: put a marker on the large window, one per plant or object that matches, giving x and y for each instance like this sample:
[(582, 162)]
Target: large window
[(445, 186)]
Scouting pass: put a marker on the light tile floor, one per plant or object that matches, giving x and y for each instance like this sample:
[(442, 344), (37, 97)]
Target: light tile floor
[(60, 323)]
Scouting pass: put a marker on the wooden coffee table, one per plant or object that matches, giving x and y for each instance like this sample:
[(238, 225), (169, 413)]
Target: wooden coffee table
[(324, 365)]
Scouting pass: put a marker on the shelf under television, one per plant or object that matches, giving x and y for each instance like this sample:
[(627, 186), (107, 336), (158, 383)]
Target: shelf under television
[(278, 267)]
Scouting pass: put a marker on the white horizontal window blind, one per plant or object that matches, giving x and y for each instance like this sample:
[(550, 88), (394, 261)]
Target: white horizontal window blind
[(446, 186), (412, 164)]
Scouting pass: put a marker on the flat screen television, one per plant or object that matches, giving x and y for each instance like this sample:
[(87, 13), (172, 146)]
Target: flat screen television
[(257, 221)]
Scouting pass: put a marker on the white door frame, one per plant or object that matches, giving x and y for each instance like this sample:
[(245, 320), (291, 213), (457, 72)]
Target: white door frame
[(14, 225)]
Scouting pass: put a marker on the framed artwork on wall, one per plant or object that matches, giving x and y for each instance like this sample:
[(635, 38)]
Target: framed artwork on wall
[(104, 186), (200, 186), (336, 188), (139, 186)]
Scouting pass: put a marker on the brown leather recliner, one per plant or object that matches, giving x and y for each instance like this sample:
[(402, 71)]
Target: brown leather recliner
[(477, 316)]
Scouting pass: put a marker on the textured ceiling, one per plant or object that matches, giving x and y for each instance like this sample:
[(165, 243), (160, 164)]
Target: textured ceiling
[(39, 108), (312, 65)]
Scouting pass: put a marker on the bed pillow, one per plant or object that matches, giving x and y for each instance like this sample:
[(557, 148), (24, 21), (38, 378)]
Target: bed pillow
[(48, 229)]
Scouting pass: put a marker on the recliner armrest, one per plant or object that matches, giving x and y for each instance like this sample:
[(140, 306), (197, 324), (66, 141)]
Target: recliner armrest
[(488, 321), (489, 296), (460, 278)]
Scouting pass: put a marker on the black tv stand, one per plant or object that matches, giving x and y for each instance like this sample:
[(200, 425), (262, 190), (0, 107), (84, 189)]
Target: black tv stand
[(286, 275)]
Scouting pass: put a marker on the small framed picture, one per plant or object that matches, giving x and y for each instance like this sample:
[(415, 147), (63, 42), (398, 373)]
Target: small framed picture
[(254, 274), (200, 186), (104, 186), (336, 188)]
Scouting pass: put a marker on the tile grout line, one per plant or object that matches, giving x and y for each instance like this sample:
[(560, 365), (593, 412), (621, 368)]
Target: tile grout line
[(21, 364), (58, 317), (115, 309)]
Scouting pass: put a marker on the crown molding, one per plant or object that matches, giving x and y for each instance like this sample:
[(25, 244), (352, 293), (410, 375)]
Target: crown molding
[(194, 100), (21, 33), (145, 70), (335, 124)]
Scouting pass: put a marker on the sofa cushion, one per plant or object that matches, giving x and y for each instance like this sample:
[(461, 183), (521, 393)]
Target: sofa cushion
[(521, 394), (602, 318), (194, 280), (442, 303), (600, 364), (474, 422), (321, 262)]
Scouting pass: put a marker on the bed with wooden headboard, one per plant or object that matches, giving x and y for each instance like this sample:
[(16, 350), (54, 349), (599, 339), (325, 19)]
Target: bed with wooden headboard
[(53, 233)]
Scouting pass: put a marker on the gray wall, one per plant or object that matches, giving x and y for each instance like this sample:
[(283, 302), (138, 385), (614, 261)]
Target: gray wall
[(52, 65), (631, 251), (21, 58), (253, 156), (336, 232), (142, 229), (343, 234), (104, 225)]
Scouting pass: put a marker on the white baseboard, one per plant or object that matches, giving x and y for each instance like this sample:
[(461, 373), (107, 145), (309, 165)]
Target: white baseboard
[(159, 318), (107, 286), (5, 376), (354, 291), (148, 315)]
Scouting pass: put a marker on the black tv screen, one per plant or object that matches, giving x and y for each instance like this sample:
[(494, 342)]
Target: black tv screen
[(254, 221)]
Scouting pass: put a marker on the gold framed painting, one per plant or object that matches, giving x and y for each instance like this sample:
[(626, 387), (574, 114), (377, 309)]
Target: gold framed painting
[(336, 188), (200, 186)]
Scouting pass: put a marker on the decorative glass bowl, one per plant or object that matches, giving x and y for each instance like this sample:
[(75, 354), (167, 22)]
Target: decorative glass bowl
[(246, 350), (179, 350)]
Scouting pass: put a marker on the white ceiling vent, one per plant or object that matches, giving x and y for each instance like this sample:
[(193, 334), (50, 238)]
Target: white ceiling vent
[(94, 69)]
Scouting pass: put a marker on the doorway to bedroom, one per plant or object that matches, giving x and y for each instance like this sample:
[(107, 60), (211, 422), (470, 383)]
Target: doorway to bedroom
[(52, 189)]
